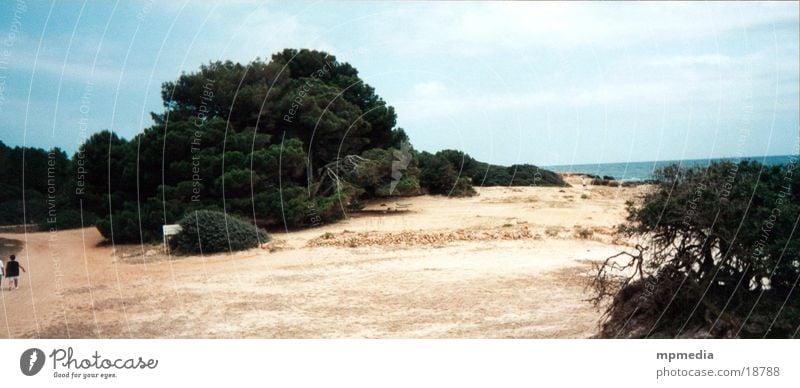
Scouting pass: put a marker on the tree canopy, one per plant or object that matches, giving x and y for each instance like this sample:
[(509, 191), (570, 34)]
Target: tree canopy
[(289, 142)]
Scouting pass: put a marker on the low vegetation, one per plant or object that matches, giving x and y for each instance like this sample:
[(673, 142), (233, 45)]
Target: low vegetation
[(204, 231), (717, 256)]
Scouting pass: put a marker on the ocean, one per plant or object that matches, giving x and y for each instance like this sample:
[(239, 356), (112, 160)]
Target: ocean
[(639, 171)]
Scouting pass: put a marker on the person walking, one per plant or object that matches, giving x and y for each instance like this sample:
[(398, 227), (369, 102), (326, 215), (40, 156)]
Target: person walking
[(12, 272)]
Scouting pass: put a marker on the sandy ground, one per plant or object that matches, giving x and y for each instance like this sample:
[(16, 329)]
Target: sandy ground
[(533, 286)]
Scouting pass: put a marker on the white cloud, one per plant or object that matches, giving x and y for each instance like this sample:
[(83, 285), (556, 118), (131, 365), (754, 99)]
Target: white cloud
[(259, 32), (482, 28), (687, 60), (84, 71), (435, 99)]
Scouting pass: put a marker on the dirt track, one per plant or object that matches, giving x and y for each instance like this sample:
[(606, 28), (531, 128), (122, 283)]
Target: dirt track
[(530, 287)]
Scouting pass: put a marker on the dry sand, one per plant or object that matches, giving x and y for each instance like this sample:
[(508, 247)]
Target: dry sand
[(488, 285)]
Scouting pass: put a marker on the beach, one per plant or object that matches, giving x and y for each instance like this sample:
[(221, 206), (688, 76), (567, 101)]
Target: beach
[(511, 262)]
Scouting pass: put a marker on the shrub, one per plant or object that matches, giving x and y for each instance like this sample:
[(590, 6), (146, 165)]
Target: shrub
[(517, 175), (454, 173), (439, 176), (406, 186), (136, 224), (205, 231), (388, 172), (289, 207), (717, 258), (485, 174), (71, 218)]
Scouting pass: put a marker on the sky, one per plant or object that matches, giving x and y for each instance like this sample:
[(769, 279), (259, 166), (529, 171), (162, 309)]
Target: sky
[(543, 83)]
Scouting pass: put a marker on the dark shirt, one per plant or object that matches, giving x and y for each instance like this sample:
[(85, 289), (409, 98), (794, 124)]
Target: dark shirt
[(12, 268)]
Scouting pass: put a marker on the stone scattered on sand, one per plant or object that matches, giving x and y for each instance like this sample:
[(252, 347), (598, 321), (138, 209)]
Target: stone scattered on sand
[(274, 245), (407, 238)]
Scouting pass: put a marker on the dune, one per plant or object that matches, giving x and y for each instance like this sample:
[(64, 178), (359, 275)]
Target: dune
[(508, 263)]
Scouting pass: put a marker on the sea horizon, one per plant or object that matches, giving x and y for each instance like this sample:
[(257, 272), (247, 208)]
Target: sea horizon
[(643, 170)]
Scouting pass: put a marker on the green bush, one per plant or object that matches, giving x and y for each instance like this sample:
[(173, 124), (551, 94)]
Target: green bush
[(384, 174), (206, 231), (134, 223), (439, 176), (69, 218), (717, 258), (454, 173), (287, 207), (485, 174), (407, 186)]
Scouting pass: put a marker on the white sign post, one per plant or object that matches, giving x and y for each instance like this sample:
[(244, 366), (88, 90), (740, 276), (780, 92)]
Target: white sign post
[(170, 230)]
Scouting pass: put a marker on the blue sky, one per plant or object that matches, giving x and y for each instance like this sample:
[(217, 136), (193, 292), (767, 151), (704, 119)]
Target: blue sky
[(544, 83)]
